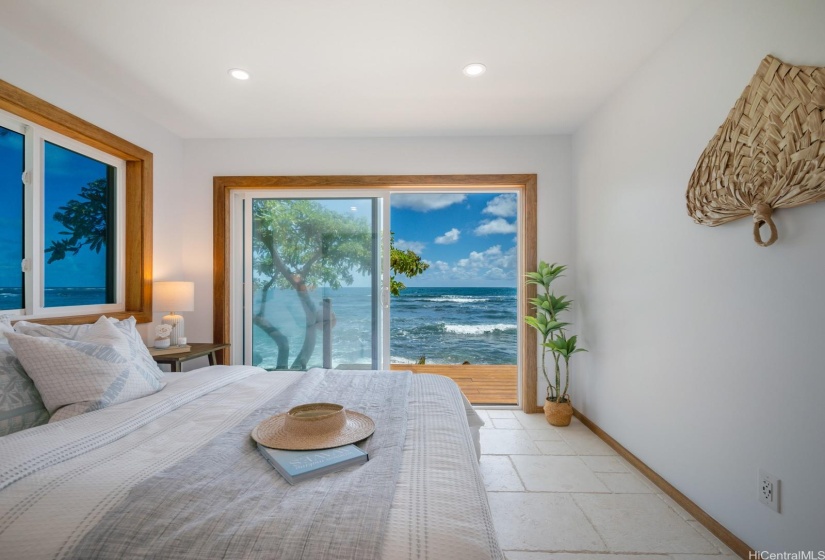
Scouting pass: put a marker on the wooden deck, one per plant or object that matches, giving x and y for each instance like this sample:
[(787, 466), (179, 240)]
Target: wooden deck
[(482, 384)]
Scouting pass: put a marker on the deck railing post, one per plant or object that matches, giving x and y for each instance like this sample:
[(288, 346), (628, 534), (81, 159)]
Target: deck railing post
[(327, 330)]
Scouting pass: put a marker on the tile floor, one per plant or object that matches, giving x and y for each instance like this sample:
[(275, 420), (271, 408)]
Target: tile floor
[(564, 494)]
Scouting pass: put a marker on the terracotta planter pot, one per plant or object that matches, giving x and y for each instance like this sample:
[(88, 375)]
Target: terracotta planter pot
[(558, 414)]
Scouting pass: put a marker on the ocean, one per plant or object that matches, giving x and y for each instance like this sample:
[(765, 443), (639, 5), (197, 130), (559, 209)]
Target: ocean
[(444, 325), (12, 298)]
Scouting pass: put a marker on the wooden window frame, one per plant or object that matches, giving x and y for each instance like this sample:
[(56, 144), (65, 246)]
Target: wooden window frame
[(526, 184), (137, 271)]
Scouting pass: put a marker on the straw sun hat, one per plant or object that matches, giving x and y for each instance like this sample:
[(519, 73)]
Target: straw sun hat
[(313, 426)]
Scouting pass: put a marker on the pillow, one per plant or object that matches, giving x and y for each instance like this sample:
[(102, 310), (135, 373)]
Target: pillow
[(138, 349), (20, 404), (92, 372), (5, 326)]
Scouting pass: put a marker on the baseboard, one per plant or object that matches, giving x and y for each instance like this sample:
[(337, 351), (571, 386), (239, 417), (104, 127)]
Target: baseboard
[(729, 539)]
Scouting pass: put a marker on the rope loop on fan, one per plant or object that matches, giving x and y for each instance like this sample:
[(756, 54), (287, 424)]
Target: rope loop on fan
[(761, 216)]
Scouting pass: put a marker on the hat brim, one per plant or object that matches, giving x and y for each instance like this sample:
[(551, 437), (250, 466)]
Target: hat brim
[(272, 433)]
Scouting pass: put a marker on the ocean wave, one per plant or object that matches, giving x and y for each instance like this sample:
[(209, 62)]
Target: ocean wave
[(478, 329), (455, 299), (400, 360)]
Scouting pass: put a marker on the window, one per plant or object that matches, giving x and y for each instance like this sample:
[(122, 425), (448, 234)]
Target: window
[(63, 220), (75, 218)]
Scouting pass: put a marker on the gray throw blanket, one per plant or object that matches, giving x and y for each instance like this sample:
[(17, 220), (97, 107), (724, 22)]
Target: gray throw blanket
[(225, 501)]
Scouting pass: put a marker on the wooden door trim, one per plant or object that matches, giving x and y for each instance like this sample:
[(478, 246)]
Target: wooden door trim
[(525, 183)]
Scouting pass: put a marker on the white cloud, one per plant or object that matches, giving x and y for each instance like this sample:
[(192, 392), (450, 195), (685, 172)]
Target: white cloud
[(499, 225), (503, 206), (449, 237), (426, 202), (437, 266), (414, 246), (492, 264)]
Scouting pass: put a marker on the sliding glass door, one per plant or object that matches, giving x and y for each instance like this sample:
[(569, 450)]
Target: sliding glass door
[(312, 281)]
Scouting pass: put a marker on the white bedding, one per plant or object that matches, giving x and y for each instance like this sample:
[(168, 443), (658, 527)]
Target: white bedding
[(58, 480)]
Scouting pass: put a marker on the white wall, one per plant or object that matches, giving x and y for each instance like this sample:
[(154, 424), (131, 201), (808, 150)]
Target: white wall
[(547, 156), (27, 68), (706, 351)]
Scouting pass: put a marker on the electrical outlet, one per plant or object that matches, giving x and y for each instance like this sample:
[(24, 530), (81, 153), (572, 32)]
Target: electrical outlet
[(768, 490)]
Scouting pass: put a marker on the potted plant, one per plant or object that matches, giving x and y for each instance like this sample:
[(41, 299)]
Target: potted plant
[(554, 339)]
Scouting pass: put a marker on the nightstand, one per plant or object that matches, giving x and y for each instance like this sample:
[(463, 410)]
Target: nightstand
[(198, 349)]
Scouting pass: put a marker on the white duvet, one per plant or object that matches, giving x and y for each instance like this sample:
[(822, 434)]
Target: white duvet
[(58, 480)]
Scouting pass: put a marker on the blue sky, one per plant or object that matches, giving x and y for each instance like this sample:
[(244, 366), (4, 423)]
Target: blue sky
[(66, 173), (468, 239)]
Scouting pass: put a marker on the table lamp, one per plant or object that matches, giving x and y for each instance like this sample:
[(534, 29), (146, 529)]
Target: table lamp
[(174, 297)]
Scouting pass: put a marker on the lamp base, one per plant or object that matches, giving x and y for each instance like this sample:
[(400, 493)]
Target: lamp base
[(176, 321)]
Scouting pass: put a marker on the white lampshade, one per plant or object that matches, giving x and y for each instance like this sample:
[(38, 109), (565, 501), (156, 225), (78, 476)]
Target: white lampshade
[(173, 297)]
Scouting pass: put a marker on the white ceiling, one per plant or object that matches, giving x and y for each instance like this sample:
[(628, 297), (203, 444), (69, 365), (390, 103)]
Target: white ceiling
[(352, 67)]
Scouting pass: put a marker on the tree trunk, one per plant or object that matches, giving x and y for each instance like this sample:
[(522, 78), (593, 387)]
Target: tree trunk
[(311, 334), (278, 337)]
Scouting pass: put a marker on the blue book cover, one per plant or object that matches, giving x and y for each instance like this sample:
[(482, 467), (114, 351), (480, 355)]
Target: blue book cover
[(295, 466)]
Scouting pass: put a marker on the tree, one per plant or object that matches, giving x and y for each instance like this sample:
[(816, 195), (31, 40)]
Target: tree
[(299, 244), (406, 263), (85, 222)]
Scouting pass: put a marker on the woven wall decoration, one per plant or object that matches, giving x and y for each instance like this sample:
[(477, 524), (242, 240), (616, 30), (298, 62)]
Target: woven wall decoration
[(769, 153)]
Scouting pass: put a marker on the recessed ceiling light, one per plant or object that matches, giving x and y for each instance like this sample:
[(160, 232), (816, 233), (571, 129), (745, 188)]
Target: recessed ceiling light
[(239, 74), (474, 69)]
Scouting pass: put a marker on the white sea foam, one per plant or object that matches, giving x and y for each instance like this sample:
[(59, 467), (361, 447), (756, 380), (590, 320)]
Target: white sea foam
[(400, 360), (455, 299), (478, 329)]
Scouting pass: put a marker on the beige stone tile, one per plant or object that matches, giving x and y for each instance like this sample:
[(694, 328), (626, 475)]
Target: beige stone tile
[(533, 421), (492, 413), (499, 474), (585, 442), (523, 555), (555, 448), (544, 435), (507, 424), (550, 473), (535, 521), (483, 415), (605, 464), (719, 545), (507, 442), (641, 523), (682, 512), (702, 556), (626, 483)]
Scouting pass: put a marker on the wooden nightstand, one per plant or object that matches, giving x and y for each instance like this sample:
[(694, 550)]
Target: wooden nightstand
[(198, 349)]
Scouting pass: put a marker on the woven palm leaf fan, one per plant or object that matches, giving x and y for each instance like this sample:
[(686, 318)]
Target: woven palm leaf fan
[(769, 153)]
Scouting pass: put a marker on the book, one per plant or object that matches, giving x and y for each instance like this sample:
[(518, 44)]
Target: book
[(296, 466), (171, 350)]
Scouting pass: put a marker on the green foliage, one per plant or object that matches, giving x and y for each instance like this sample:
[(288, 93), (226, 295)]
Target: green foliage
[(298, 244), (406, 263), (554, 339), (84, 220)]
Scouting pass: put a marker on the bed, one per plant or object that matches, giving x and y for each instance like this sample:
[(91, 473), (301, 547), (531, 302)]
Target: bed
[(175, 475)]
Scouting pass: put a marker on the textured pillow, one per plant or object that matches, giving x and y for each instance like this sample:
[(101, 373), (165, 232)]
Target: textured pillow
[(94, 371), (20, 403), (5, 326), (138, 349)]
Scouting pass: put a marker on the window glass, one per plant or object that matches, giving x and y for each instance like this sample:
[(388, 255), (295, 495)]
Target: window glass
[(12, 164), (79, 229)]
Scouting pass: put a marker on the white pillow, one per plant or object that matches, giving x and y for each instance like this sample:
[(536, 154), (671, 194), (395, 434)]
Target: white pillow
[(72, 332), (5, 327), (20, 404), (94, 371)]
